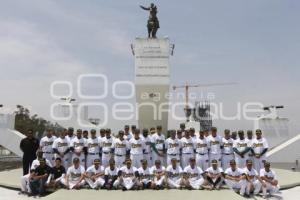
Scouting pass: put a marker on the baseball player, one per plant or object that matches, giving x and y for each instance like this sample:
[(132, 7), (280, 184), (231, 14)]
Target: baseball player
[(106, 147), (78, 147), (145, 181), (249, 140), (254, 182), (259, 149), (193, 176), (128, 178), (174, 174), (173, 146), (214, 175), (85, 134), (74, 178), (158, 173), (93, 148), (158, 140), (137, 147), (57, 174), (179, 134), (235, 178), (147, 140), (120, 149), (240, 148), (127, 134), (46, 146), (111, 175), (192, 133), (216, 145), (227, 151), (94, 175), (69, 133), (188, 147), (201, 149), (102, 133), (269, 178), (61, 149)]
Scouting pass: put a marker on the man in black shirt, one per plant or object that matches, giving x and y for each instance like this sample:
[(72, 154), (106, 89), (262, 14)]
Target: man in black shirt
[(29, 146), (58, 172), (39, 178)]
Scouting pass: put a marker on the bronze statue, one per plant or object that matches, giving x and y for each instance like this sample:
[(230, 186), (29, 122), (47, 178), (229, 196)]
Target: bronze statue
[(153, 23)]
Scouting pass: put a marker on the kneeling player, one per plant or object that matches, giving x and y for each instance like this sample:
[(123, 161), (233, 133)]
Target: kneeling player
[(193, 176), (269, 178), (57, 174), (214, 175), (158, 174), (254, 182), (111, 175), (145, 181), (235, 178), (75, 176), (94, 175), (128, 176), (174, 175)]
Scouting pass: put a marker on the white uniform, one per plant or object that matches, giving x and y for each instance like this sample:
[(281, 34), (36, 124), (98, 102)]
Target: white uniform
[(62, 145), (241, 145), (256, 184), (145, 175), (201, 148), (91, 171), (110, 174), (158, 181), (173, 149), (128, 179), (120, 148), (78, 144), (136, 151), (106, 145), (269, 187), (159, 141), (250, 155), (70, 154), (128, 136), (93, 150), (227, 152), (174, 176), (188, 147), (215, 172), (74, 175), (236, 185), (46, 146), (148, 152), (194, 175), (215, 152), (258, 145)]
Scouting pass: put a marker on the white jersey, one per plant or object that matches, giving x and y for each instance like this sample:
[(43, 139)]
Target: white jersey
[(136, 146), (258, 145), (128, 136), (213, 171), (46, 144), (227, 145), (173, 146), (270, 174), (93, 145), (147, 144), (70, 138), (174, 173), (75, 173), (78, 144), (128, 173), (201, 145), (215, 144), (93, 171), (241, 145), (154, 169), (61, 144), (106, 144), (120, 146), (144, 173), (235, 173), (193, 173), (109, 172), (252, 173), (187, 145), (159, 141)]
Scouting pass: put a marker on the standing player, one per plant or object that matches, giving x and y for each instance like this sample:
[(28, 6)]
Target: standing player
[(120, 149), (94, 175), (75, 176), (269, 178), (188, 147), (240, 148), (127, 134), (69, 133), (254, 182), (46, 146), (137, 147), (128, 176), (111, 175), (145, 181), (174, 174), (106, 147), (78, 147), (193, 178), (201, 149), (173, 146), (93, 148), (215, 144), (227, 156), (235, 178), (158, 173), (214, 175), (249, 140), (158, 140), (147, 140), (259, 149), (61, 149)]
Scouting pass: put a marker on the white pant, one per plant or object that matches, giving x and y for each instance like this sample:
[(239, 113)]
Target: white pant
[(256, 185), (174, 183), (159, 182), (215, 157), (258, 163), (171, 156), (202, 161), (119, 160), (240, 162), (105, 159), (136, 159), (185, 159), (128, 183), (157, 157), (241, 185), (196, 183), (226, 160), (99, 182), (90, 159), (270, 188), (25, 183), (50, 157), (72, 183)]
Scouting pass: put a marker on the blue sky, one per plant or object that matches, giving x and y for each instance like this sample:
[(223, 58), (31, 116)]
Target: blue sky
[(255, 43)]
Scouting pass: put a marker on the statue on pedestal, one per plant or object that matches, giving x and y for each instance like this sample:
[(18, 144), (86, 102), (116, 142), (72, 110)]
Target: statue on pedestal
[(153, 23)]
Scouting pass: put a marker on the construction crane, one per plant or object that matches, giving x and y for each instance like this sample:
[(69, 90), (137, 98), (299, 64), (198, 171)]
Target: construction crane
[(187, 86)]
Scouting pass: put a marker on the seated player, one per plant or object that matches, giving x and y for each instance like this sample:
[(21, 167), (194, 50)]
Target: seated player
[(214, 175), (39, 178), (235, 178), (75, 176), (94, 175), (269, 178), (158, 173), (193, 175), (145, 181), (174, 175), (57, 174), (254, 182), (128, 176), (111, 175)]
